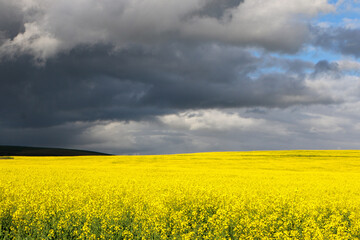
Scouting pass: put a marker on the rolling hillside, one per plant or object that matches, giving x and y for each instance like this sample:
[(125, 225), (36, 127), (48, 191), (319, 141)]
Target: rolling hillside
[(37, 151)]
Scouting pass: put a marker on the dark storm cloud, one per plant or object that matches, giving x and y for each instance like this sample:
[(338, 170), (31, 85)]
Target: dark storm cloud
[(69, 69), (326, 67), (295, 66), (217, 8), (338, 39), (69, 88), (65, 135), (11, 20), (270, 90), (100, 84)]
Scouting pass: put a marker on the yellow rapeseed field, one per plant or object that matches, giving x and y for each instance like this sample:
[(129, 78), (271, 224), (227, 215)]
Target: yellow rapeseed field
[(232, 195)]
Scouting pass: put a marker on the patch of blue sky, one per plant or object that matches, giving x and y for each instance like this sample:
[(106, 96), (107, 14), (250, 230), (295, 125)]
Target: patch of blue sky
[(315, 54), (352, 73), (308, 54), (345, 9), (335, 19), (346, 12), (265, 71), (262, 54), (311, 54)]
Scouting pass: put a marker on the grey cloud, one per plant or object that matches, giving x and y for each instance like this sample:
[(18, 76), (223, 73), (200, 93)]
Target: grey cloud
[(326, 67), (338, 39), (270, 90), (217, 8), (139, 83), (289, 66), (11, 20), (66, 135), (107, 73), (313, 127), (296, 65), (51, 27)]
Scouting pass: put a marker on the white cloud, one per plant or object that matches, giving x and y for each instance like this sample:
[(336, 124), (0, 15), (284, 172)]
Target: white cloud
[(133, 137), (191, 131), (33, 41), (263, 23), (216, 120), (319, 123), (341, 88), (318, 127), (107, 132), (315, 127), (210, 120), (351, 23), (349, 65)]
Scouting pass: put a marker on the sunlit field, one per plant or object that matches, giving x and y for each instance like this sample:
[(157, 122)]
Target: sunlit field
[(233, 195)]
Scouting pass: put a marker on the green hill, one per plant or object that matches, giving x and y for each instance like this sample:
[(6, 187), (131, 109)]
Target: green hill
[(37, 151)]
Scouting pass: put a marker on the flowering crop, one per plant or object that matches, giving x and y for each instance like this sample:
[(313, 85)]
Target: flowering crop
[(232, 195)]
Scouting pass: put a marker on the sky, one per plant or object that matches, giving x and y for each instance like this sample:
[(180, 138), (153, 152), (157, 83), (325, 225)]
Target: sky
[(169, 76)]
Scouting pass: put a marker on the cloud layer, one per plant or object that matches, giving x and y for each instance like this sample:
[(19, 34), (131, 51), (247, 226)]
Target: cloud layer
[(43, 28), (136, 84), (160, 76)]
